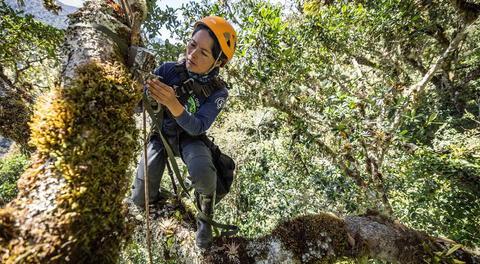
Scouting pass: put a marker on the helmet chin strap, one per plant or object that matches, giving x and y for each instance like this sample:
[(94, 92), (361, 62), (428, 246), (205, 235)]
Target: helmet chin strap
[(214, 63)]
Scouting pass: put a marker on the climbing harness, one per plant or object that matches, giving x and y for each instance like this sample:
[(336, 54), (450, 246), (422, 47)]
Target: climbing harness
[(190, 86)]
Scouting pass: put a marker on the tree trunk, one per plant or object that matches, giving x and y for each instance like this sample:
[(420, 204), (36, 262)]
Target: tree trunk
[(69, 204), (321, 238)]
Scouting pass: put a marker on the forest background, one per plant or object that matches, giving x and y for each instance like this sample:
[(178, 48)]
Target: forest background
[(329, 110)]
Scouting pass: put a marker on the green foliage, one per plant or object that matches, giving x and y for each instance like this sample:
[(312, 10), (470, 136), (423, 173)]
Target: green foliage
[(25, 43), (11, 167), (157, 19), (339, 74), (29, 58), (276, 180), (438, 189)]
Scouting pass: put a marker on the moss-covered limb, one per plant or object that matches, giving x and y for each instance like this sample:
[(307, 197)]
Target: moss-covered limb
[(321, 238), (389, 240), (15, 112), (69, 202), (309, 239), (69, 209)]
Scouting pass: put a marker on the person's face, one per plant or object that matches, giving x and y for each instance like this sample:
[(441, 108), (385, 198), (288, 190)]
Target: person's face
[(199, 53)]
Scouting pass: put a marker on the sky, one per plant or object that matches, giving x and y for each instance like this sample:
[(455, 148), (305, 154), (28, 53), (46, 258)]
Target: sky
[(76, 3), (162, 3), (171, 3)]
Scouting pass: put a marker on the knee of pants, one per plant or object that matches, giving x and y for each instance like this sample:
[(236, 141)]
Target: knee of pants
[(204, 175), (138, 192)]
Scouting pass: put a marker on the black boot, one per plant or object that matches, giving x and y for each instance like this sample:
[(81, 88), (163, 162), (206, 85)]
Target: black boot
[(204, 229)]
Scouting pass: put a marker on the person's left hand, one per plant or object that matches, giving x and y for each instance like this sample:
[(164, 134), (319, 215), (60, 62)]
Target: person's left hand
[(161, 92)]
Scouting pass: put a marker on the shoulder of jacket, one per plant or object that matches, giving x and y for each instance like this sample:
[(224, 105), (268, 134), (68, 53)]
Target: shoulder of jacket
[(221, 92)]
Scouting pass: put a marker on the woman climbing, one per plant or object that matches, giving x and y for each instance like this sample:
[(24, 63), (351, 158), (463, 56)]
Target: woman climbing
[(193, 96)]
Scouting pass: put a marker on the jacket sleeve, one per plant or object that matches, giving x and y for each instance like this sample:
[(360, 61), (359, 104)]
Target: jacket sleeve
[(196, 124)]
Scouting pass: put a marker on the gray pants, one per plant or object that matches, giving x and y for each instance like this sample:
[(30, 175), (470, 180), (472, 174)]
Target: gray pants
[(196, 156)]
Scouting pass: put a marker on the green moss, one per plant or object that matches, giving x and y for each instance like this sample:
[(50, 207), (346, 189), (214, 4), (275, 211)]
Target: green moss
[(314, 238), (84, 134)]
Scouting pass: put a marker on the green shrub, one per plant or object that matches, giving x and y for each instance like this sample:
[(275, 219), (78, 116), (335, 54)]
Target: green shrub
[(11, 167), (439, 187)]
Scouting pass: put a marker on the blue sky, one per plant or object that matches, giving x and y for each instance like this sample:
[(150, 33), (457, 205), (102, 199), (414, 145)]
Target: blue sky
[(162, 3), (171, 3)]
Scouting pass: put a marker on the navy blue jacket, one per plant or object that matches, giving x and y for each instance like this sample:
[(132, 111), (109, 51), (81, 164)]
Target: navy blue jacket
[(200, 111)]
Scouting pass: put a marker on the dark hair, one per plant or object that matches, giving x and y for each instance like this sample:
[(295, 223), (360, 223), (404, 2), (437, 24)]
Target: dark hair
[(216, 49)]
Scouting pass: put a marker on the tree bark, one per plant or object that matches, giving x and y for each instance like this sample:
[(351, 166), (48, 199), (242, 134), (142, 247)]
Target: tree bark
[(321, 238), (69, 208)]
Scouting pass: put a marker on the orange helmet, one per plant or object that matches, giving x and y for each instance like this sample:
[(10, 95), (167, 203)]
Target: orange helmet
[(225, 33)]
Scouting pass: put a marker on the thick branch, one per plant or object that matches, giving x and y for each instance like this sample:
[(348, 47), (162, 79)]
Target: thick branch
[(320, 238), (68, 209)]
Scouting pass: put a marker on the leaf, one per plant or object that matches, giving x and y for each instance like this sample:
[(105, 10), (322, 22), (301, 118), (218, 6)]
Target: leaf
[(170, 241), (431, 118), (453, 249), (363, 260), (178, 214)]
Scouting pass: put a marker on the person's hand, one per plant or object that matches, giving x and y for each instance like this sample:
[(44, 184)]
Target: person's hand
[(161, 92), (165, 95)]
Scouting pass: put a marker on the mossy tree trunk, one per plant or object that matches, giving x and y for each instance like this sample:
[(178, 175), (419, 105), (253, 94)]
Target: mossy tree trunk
[(321, 238), (69, 208)]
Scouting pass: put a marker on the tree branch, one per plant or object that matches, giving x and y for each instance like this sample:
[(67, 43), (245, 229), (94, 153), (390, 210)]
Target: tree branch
[(67, 209), (418, 88), (320, 238)]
